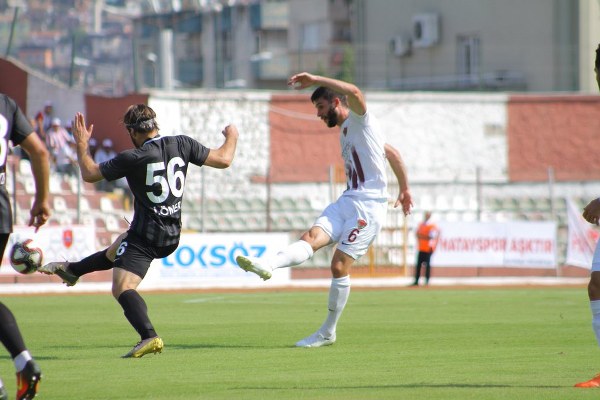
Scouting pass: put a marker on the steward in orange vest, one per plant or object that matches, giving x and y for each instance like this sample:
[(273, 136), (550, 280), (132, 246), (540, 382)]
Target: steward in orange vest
[(427, 238)]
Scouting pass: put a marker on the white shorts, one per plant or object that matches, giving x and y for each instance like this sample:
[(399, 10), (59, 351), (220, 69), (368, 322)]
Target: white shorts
[(353, 223), (596, 259)]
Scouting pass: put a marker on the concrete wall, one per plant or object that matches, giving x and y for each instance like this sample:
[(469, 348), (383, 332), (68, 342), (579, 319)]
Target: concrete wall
[(66, 101), (553, 131), (203, 115), (442, 137)]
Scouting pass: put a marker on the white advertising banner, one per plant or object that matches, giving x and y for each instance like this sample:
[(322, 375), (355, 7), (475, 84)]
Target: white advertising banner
[(496, 244), (58, 243), (208, 259), (582, 238)]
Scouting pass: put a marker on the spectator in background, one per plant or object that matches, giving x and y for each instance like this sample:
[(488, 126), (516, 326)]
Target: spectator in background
[(43, 120), (427, 238), (93, 147), (57, 138), (69, 129), (66, 158), (105, 153)]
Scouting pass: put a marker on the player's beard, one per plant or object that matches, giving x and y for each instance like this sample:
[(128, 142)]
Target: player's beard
[(331, 118)]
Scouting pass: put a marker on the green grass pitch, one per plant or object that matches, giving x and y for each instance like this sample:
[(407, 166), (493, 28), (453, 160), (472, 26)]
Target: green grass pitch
[(436, 343)]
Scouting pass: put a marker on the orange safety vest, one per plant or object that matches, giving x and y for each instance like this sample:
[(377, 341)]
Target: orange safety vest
[(427, 235)]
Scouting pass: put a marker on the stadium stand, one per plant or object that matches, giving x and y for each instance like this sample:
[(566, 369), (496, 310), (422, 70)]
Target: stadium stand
[(250, 211)]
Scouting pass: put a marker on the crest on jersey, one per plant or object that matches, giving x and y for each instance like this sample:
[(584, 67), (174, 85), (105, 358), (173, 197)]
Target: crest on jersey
[(67, 238), (361, 223)]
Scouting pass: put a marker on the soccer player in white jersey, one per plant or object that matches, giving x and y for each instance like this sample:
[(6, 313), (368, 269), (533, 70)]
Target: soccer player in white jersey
[(356, 217), (591, 213)]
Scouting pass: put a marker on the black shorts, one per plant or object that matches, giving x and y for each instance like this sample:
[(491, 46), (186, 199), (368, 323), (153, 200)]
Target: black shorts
[(135, 254), (3, 241)]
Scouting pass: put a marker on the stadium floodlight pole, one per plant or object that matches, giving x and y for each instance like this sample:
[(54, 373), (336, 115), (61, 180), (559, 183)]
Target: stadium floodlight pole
[(551, 192), (269, 198), (13, 25), (479, 192), (202, 201)]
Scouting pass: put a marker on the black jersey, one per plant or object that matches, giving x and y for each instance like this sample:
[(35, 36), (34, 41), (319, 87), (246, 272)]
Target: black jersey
[(156, 174), (15, 127)]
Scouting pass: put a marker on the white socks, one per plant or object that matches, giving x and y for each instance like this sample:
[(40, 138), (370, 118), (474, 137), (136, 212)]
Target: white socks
[(300, 251), (338, 297), (21, 359), (296, 253)]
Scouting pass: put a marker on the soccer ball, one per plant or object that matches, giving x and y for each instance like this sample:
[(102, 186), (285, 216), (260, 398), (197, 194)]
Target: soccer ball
[(25, 258)]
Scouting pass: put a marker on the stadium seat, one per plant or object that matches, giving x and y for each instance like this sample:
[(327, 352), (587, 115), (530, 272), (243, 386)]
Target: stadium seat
[(112, 223), (442, 202), (106, 205), (60, 204), (425, 202), (509, 204), (258, 204), (459, 203), (55, 184), (25, 168), (525, 203), (29, 185)]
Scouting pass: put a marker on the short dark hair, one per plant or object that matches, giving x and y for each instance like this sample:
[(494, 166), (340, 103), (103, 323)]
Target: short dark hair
[(325, 93), (140, 118)]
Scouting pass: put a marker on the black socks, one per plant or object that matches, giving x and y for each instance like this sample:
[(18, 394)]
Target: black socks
[(136, 312)]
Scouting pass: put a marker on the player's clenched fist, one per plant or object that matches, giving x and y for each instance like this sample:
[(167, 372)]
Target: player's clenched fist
[(230, 131)]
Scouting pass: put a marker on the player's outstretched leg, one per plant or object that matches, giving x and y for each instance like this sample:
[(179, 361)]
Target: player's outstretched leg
[(70, 272), (62, 270), (255, 265)]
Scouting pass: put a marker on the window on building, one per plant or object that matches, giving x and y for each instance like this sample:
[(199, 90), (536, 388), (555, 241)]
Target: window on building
[(468, 48), (311, 37)]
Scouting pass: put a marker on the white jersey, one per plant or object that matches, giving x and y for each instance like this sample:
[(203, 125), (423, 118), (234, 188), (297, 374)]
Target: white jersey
[(363, 152)]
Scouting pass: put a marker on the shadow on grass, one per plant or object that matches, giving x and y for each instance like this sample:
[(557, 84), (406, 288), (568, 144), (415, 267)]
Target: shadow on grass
[(187, 346), (36, 357), (410, 386)]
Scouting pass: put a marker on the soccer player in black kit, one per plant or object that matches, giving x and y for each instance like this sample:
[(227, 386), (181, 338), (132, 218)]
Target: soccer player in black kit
[(155, 171), (15, 127)]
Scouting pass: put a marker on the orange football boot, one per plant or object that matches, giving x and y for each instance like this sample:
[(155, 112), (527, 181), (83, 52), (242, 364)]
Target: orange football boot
[(592, 383)]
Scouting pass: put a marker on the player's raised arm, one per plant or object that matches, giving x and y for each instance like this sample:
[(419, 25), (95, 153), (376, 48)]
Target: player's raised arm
[(356, 100), (222, 157), (90, 172)]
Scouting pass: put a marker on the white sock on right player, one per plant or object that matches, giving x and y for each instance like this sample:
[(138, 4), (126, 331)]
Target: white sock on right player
[(595, 307), (338, 297), (296, 253)]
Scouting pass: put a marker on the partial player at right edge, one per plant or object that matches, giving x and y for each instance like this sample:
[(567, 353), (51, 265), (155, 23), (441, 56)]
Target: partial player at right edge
[(591, 213)]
